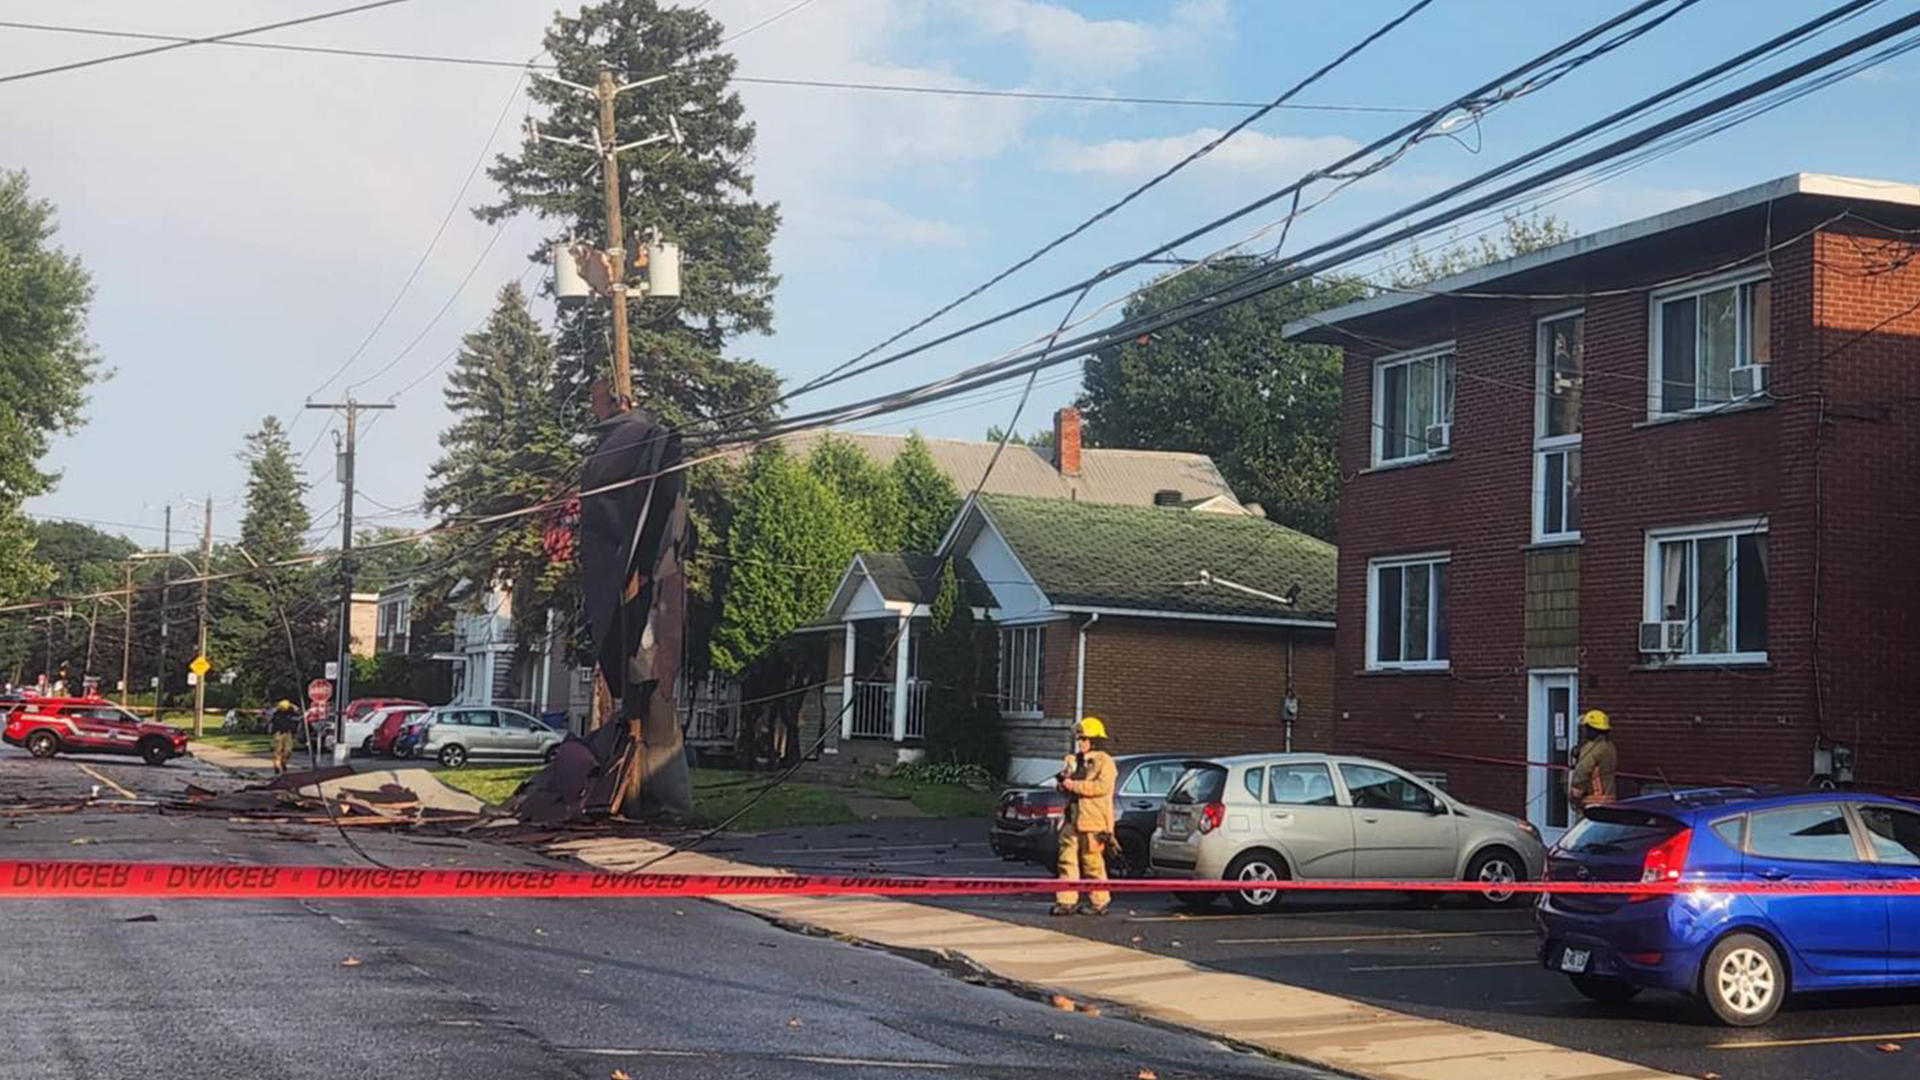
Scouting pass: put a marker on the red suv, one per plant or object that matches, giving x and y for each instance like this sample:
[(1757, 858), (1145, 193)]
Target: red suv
[(48, 726)]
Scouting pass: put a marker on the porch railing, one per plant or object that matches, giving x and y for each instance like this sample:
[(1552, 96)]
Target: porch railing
[(873, 709)]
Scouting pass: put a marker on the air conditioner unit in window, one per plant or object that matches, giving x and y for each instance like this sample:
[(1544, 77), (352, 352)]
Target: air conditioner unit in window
[(1747, 380), (1663, 638), (1439, 436)]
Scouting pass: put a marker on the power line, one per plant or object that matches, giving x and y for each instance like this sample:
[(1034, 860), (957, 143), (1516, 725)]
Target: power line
[(759, 80), (184, 42), (766, 22)]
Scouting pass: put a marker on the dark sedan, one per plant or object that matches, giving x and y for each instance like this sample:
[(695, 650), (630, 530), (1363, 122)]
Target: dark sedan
[(1026, 824)]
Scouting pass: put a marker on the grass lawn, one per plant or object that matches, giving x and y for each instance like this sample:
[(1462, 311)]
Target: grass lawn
[(251, 744), (719, 793)]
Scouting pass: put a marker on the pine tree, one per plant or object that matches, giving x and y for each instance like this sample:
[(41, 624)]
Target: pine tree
[(699, 195), (507, 447), (253, 612), (928, 498)]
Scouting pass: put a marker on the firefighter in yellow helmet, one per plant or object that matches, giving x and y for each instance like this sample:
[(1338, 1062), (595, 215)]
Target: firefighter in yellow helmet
[(1591, 781), (1087, 831)]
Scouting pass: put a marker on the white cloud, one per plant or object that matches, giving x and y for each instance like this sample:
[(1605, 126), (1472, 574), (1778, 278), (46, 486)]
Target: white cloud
[(1246, 152), (1881, 75), (1061, 42), (869, 219)]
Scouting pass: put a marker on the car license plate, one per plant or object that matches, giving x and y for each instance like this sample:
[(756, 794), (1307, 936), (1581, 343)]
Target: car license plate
[(1575, 960)]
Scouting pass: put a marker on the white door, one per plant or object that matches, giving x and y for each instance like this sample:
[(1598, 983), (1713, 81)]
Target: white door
[(1550, 739)]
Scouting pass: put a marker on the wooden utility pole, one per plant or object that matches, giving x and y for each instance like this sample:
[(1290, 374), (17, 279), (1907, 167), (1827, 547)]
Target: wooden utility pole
[(345, 654), (126, 638), (606, 90), (166, 597), (200, 677)]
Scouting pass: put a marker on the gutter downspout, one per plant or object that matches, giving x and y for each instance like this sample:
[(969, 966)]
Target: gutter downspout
[(1288, 706), (1080, 676)]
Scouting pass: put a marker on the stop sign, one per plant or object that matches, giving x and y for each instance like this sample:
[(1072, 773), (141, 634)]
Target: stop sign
[(319, 691)]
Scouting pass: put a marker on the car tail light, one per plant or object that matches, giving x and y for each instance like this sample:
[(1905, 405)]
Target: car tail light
[(1211, 815), (1644, 959), (1664, 862), (1036, 813)]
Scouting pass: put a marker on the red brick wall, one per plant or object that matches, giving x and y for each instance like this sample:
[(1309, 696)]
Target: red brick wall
[(1755, 724), (1207, 688)]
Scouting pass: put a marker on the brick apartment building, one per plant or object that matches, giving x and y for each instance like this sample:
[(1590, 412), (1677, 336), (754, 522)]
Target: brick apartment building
[(1667, 470)]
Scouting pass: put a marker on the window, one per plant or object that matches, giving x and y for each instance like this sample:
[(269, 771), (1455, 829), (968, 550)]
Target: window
[(1022, 666), (1733, 830), (1301, 785), (1153, 779), (1560, 373), (1255, 780), (1816, 833), (1713, 582), (1413, 405), (1894, 834), (1707, 343), (1378, 789), (1407, 613)]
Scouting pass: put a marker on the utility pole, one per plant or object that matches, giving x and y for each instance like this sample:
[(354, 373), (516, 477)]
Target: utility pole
[(126, 638), (341, 686), (206, 570), (606, 90), (166, 594)]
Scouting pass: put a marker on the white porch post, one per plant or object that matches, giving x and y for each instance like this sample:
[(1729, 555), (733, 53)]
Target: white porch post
[(846, 685), (901, 699)]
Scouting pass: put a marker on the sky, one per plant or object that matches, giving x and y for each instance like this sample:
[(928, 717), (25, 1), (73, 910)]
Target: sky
[(248, 215)]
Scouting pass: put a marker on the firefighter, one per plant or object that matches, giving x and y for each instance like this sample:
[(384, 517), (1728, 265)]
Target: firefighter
[(1591, 781), (1087, 830)]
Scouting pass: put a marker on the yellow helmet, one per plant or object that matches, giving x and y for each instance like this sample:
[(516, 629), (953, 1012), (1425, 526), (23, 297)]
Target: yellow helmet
[(1596, 720), (1090, 728)]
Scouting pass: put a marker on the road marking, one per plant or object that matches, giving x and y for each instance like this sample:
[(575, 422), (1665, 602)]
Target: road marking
[(811, 1059), (1448, 967), (89, 770), (1329, 938), (1825, 1040)]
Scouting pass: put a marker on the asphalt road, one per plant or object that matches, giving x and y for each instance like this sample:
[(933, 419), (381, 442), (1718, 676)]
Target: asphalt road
[(1459, 963), (101, 990)]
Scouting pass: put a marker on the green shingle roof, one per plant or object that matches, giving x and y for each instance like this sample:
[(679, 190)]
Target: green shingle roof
[(1095, 555), (904, 576)]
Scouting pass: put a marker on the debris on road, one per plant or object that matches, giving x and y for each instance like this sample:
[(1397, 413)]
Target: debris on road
[(350, 961)]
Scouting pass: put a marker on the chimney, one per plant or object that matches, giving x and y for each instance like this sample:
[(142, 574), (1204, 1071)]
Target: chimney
[(1066, 441)]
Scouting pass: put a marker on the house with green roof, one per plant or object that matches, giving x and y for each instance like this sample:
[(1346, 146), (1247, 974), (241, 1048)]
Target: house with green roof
[(1183, 630)]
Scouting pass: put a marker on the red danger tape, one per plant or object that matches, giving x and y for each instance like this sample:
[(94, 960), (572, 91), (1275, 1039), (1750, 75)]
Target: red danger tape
[(21, 880)]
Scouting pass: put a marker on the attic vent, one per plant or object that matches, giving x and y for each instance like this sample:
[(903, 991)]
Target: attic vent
[(1166, 497)]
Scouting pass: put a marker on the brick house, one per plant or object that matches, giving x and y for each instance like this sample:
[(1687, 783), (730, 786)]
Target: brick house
[(1184, 630), (1665, 470)]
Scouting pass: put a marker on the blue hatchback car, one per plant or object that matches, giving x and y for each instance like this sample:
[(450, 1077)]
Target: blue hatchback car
[(1740, 955)]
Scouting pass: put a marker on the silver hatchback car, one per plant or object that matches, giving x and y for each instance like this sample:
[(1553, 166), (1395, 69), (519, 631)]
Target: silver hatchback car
[(1267, 817), (456, 734)]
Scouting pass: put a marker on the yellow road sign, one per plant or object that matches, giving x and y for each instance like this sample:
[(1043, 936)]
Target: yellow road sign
[(200, 666)]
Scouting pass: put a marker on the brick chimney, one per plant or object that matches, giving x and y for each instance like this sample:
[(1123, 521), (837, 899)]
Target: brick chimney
[(1066, 441)]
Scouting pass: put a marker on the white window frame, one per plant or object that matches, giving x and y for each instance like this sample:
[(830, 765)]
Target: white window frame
[(1026, 647), (1545, 445), (1374, 566), (1656, 340), (1377, 436), (1651, 610)]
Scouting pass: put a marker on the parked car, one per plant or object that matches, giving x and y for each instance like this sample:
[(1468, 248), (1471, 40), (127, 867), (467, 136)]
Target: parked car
[(1740, 955), (456, 734), (407, 739), (1277, 817), (387, 728), (1026, 823), (363, 722), (49, 726)]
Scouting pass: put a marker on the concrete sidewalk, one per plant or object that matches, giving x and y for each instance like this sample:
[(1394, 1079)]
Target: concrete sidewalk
[(234, 760), (1303, 1025)]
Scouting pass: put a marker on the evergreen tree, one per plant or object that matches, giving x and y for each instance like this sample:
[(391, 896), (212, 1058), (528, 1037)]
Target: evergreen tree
[(928, 498), (867, 492), (699, 195), (963, 718), (254, 612), (505, 449), (790, 538), (46, 365)]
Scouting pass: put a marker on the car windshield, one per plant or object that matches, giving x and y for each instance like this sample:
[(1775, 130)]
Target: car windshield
[(1613, 828), (1199, 784)]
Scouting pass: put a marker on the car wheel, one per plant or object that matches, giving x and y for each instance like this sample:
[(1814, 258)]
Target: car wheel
[(1743, 981), (550, 751), (43, 744), (453, 756), (155, 751), (366, 746), (1604, 990), (1257, 867), (1497, 866)]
